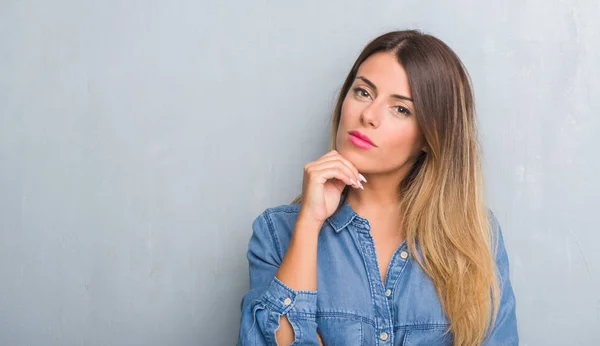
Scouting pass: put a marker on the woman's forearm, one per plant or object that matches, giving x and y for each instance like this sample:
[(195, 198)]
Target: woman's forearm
[(298, 269)]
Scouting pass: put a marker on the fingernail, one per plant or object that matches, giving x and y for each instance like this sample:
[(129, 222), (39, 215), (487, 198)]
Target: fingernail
[(362, 177), (353, 182)]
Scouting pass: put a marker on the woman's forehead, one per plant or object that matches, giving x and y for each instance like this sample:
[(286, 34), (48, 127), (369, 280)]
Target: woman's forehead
[(386, 73)]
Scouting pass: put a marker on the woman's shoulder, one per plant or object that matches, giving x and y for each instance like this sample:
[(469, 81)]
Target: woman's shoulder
[(283, 209), (281, 215), (497, 238), (495, 227), (275, 226), (280, 218)]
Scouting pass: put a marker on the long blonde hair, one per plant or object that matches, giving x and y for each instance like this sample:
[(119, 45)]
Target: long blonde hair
[(441, 199)]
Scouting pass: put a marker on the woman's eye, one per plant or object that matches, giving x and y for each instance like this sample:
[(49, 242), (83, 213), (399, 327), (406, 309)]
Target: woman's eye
[(402, 110), (361, 92)]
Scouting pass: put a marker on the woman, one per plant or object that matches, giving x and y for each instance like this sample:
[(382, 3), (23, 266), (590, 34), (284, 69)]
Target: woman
[(390, 242)]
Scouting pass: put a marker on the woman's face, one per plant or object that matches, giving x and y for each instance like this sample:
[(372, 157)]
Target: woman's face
[(378, 106)]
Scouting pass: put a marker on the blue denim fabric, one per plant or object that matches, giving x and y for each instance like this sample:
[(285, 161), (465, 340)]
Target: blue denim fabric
[(352, 305)]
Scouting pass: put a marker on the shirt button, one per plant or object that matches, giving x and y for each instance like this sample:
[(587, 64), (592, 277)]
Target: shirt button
[(388, 292), (383, 336), (404, 254), (287, 301)]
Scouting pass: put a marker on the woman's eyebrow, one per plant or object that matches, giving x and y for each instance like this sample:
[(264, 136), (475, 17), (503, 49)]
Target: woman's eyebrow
[(401, 97)]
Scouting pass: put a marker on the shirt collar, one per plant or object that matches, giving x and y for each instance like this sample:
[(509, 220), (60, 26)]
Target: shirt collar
[(344, 216)]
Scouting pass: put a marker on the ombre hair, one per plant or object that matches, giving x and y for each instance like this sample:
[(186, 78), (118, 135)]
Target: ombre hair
[(441, 199)]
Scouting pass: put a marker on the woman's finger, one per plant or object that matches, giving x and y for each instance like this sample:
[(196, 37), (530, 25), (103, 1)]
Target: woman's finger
[(343, 160), (334, 171), (339, 164)]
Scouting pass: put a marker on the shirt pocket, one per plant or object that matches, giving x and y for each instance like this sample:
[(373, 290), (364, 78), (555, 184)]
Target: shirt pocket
[(427, 335), (341, 331)]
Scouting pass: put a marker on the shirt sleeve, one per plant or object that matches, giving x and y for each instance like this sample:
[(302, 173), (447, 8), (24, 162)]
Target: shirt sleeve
[(268, 298), (505, 329)]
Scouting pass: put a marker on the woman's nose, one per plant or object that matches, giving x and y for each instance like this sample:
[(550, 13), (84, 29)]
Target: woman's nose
[(369, 117)]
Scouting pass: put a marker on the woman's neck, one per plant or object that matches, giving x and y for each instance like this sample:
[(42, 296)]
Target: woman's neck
[(378, 198)]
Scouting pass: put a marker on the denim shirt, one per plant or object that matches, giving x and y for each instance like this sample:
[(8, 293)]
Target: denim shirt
[(352, 305)]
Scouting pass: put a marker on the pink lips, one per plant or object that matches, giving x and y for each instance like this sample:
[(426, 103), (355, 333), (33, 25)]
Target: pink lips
[(360, 140)]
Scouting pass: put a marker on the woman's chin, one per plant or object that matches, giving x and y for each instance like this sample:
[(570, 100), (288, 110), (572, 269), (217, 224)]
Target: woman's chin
[(359, 160)]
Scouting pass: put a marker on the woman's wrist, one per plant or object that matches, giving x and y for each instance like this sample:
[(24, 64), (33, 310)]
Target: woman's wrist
[(308, 221)]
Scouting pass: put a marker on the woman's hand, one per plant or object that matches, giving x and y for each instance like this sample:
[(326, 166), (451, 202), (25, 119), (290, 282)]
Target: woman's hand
[(322, 187), (324, 181)]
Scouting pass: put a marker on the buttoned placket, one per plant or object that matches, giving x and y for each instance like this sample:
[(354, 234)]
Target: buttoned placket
[(381, 294)]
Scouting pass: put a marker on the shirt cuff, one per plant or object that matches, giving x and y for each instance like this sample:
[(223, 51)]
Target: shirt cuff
[(282, 299)]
